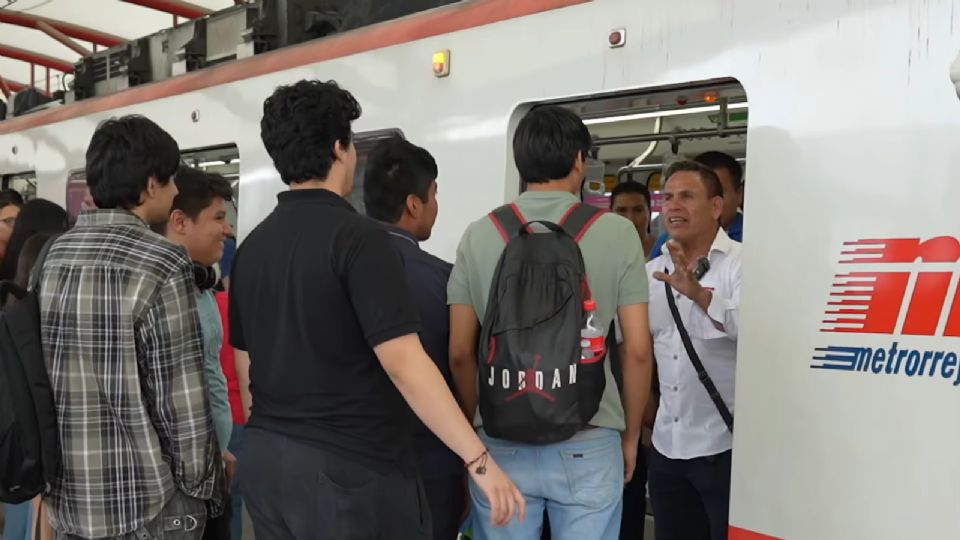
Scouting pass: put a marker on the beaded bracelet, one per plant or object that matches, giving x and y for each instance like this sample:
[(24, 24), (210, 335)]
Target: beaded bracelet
[(482, 458)]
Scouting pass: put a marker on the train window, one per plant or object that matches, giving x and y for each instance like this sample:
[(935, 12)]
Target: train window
[(638, 134), (77, 193), (24, 182), (364, 143), (224, 160)]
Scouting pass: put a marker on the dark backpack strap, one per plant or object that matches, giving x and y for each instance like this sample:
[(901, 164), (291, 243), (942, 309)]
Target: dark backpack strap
[(41, 258), (509, 221), (697, 364), (579, 219), (10, 291)]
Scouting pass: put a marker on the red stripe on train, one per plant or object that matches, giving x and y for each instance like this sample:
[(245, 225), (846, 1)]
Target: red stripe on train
[(735, 533)]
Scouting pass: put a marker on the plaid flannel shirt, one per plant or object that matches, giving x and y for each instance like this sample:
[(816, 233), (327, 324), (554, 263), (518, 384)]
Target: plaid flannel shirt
[(122, 343)]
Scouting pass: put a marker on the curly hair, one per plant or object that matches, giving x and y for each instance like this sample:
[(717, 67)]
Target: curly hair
[(301, 123)]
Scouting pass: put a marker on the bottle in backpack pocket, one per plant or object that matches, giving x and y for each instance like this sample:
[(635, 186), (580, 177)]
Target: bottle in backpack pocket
[(591, 337)]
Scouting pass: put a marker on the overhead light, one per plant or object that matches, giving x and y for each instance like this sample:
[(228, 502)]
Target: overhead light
[(662, 114), (216, 163)]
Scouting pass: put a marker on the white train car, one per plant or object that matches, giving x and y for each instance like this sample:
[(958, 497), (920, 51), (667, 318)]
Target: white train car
[(847, 379)]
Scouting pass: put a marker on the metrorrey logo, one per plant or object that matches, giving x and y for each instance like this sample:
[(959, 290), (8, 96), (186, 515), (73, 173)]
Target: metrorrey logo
[(898, 287)]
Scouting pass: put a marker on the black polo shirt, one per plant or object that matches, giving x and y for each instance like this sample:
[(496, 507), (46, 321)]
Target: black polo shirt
[(427, 276), (314, 288)]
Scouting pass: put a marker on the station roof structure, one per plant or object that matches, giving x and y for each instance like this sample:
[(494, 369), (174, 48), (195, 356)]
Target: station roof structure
[(41, 40)]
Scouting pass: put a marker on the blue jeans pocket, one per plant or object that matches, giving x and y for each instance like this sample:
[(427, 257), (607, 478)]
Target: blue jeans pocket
[(504, 453), (595, 472)]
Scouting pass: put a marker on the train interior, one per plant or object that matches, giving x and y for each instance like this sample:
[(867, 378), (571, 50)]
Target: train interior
[(25, 182), (637, 135)]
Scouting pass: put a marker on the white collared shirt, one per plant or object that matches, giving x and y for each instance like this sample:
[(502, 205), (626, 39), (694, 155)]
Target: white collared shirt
[(688, 424)]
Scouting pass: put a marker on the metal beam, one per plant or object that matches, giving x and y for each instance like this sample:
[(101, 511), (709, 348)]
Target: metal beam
[(5, 88), (36, 58), (676, 135), (75, 31), (174, 7), (63, 38)]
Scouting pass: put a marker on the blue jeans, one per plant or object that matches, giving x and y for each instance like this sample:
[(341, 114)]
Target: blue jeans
[(17, 519), (236, 519), (579, 482)]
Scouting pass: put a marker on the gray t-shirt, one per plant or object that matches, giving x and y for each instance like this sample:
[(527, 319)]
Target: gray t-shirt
[(612, 254)]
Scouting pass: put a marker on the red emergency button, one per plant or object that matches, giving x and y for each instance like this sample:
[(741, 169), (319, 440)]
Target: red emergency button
[(618, 38)]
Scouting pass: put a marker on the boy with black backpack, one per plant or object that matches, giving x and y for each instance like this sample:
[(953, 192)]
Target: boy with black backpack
[(535, 284)]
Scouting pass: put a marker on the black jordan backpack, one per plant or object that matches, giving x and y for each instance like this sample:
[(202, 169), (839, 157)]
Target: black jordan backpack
[(534, 385)]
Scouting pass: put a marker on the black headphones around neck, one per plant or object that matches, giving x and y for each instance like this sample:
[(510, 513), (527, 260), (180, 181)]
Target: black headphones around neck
[(206, 277)]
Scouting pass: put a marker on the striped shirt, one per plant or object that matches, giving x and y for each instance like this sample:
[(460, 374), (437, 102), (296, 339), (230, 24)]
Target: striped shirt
[(122, 343)]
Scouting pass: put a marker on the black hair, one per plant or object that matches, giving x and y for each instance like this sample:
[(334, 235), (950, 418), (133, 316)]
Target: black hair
[(123, 155), (300, 125), (630, 187), (547, 143), (707, 176), (196, 190), (396, 168), (37, 216), (10, 197), (722, 160), (28, 257)]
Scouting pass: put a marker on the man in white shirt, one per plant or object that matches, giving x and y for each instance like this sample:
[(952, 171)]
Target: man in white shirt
[(689, 469)]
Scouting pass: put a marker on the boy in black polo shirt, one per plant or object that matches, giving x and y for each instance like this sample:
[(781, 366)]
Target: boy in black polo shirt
[(319, 300)]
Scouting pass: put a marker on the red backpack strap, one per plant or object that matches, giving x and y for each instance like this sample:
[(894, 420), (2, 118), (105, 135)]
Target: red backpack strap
[(508, 220), (579, 218)]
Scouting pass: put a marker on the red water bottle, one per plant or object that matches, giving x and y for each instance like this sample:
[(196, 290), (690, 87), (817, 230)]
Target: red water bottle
[(591, 337)]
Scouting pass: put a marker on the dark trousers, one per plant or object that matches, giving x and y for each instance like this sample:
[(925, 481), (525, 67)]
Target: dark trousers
[(218, 528), (295, 491), (690, 497), (633, 522), (447, 498)]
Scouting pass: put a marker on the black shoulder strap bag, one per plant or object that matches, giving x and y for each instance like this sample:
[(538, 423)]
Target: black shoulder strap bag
[(697, 364)]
